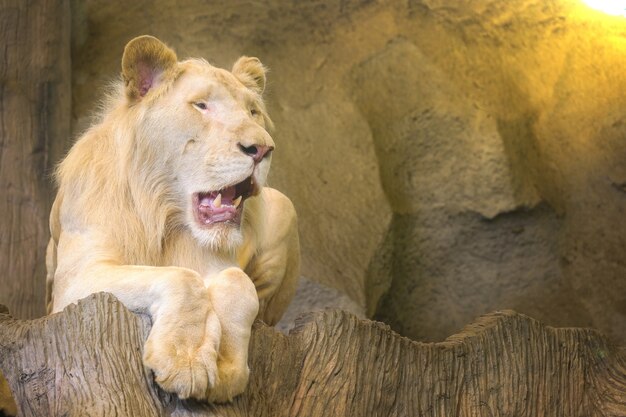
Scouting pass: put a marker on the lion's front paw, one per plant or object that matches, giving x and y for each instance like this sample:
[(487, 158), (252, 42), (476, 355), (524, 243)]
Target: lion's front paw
[(188, 375), (185, 361), (232, 381), (183, 355), (198, 345), (195, 371)]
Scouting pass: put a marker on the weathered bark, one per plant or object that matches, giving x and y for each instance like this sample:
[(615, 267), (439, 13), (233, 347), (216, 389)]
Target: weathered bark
[(87, 361), (7, 405), (35, 85)]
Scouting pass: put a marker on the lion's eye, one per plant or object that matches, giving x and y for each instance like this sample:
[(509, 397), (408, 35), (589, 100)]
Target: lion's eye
[(200, 105), (254, 112)]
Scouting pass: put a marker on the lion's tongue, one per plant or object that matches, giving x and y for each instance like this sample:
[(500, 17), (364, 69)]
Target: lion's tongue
[(210, 211)]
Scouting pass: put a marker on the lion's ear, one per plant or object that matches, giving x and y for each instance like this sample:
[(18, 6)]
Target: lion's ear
[(145, 62), (251, 73)]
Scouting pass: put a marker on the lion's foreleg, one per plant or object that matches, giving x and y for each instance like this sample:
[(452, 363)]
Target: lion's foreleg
[(235, 302), (184, 340), (275, 268)]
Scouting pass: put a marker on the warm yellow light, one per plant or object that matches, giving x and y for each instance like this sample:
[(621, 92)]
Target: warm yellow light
[(614, 7)]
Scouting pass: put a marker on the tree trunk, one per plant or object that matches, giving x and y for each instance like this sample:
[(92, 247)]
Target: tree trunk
[(87, 361), (35, 111)]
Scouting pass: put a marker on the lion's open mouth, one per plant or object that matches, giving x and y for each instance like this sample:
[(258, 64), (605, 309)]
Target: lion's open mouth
[(223, 205)]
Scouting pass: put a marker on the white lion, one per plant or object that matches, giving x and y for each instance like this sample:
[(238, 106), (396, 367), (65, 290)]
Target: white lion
[(163, 204)]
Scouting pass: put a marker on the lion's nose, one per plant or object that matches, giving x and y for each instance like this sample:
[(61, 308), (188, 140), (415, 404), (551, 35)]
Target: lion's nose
[(257, 152)]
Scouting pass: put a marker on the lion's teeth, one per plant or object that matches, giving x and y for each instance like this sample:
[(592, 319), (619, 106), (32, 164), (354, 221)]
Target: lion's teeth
[(217, 203), (236, 201)]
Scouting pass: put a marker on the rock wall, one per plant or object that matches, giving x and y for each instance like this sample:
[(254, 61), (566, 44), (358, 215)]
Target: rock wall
[(446, 158)]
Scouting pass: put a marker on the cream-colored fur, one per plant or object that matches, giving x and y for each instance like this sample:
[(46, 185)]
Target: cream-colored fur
[(125, 220)]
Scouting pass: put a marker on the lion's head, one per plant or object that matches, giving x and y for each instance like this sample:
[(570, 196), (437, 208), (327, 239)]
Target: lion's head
[(200, 133)]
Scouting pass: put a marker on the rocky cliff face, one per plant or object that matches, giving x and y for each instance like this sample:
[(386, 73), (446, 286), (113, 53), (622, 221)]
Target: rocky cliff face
[(446, 158)]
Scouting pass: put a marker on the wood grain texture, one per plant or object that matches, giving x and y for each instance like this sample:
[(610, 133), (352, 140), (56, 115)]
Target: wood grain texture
[(87, 361), (35, 88)]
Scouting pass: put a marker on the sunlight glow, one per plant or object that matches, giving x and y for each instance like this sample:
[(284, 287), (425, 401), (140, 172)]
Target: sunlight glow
[(612, 7)]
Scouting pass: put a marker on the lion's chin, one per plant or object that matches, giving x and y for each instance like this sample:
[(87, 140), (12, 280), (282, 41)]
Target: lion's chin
[(220, 237)]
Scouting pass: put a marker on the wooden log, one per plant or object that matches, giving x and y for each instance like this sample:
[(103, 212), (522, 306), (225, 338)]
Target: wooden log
[(35, 111), (86, 360), (7, 405)]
